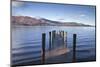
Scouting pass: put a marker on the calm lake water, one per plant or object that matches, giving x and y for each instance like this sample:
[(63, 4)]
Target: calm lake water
[(26, 42)]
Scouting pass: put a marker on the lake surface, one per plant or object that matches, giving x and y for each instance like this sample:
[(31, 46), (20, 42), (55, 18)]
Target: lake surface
[(26, 42)]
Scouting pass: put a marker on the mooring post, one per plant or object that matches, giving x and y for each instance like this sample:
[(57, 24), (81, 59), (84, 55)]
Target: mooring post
[(74, 47), (65, 39), (54, 33), (53, 37), (62, 38), (60, 33), (49, 40), (43, 47)]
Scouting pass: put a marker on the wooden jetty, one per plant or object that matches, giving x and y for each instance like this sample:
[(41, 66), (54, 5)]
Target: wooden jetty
[(57, 45)]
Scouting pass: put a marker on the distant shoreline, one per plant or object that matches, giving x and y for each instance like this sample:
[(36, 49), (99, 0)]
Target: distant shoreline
[(52, 25), (29, 21)]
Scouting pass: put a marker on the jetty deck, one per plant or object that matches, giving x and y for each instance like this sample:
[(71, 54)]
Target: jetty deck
[(56, 52)]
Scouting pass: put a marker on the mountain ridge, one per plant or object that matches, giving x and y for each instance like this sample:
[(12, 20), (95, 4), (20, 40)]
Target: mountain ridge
[(30, 21)]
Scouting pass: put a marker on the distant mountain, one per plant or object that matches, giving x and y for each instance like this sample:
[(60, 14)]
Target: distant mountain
[(29, 21)]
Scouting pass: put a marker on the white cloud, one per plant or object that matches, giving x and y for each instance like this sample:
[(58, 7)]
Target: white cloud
[(82, 15), (17, 4), (79, 16), (61, 19)]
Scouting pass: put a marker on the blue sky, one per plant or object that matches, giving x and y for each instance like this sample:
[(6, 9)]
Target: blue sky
[(56, 12)]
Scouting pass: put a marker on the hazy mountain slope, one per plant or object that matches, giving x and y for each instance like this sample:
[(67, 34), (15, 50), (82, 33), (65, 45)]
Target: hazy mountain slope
[(25, 20)]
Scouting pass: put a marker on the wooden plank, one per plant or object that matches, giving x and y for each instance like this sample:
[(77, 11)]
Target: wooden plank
[(56, 52)]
